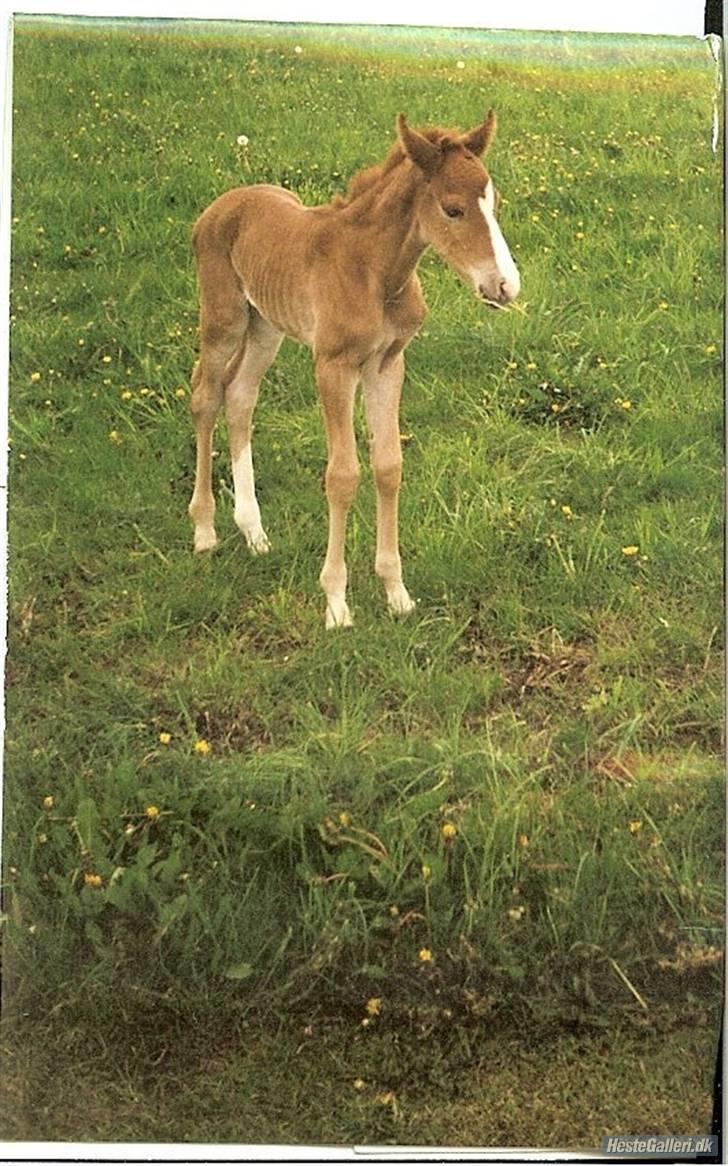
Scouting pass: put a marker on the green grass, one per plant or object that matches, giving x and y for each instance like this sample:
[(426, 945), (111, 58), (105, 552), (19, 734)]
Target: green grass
[(320, 1084), (554, 700)]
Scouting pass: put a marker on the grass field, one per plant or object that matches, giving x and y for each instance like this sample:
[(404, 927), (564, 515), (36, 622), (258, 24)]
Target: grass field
[(399, 850)]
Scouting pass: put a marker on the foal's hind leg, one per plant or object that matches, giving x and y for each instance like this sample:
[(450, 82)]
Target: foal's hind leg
[(222, 327), (262, 342)]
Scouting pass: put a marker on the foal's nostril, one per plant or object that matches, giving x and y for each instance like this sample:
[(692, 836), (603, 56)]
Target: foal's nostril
[(498, 292)]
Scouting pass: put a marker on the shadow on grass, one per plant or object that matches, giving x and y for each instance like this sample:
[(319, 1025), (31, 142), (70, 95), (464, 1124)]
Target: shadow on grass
[(347, 1084)]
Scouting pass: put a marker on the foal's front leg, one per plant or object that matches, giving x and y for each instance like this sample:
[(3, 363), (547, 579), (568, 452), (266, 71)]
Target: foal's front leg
[(382, 392), (337, 381)]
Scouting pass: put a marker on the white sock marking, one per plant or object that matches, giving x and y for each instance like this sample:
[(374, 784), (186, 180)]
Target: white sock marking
[(247, 512)]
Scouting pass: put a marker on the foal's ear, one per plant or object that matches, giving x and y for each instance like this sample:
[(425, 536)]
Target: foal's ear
[(417, 148), (478, 140)]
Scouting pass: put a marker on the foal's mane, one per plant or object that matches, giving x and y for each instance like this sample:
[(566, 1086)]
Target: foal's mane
[(366, 180)]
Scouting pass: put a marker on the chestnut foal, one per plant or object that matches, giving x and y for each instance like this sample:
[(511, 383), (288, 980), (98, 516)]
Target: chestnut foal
[(341, 278)]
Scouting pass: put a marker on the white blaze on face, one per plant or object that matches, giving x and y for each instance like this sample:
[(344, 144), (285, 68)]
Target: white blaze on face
[(507, 272)]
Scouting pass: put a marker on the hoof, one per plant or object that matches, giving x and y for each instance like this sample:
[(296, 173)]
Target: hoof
[(258, 541), (338, 615), (205, 541), (399, 601)]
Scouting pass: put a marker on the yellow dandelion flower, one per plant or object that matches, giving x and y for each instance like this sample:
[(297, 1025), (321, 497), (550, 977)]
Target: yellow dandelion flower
[(93, 880), (106, 360), (449, 830), (635, 827), (165, 738), (516, 914), (663, 305), (630, 552), (523, 840), (709, 350), (152, 812), (115, 437), (531, 365), (127, 395), (344, 819), (42, 839), (202, 747), (512, 364), (426, 871), (580, 235), (567, 512), (385, 1098), (406, 438), (555, 408), (374, 1006), (358, 1083), (424, 955), (35, 377), (394, 910), (181, 393), (48, 802)]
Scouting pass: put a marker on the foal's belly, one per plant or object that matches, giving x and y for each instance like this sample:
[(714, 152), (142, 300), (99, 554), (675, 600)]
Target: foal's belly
[(293, 320)]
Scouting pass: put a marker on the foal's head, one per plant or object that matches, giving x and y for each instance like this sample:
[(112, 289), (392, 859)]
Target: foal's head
[(458, 207)]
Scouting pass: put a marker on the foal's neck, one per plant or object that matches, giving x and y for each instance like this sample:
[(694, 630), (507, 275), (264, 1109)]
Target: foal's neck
[(388, 212)]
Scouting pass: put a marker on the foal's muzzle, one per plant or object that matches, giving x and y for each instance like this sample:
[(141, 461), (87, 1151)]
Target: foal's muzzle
[(499, 292)]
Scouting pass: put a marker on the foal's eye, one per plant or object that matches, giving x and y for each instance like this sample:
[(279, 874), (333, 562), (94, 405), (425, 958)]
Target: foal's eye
[(454, 212)]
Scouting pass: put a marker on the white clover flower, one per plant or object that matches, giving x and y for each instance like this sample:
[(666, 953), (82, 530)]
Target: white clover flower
[(242, 139)]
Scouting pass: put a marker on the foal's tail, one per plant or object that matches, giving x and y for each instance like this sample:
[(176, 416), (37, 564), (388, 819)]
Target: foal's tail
[(223, 318)]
